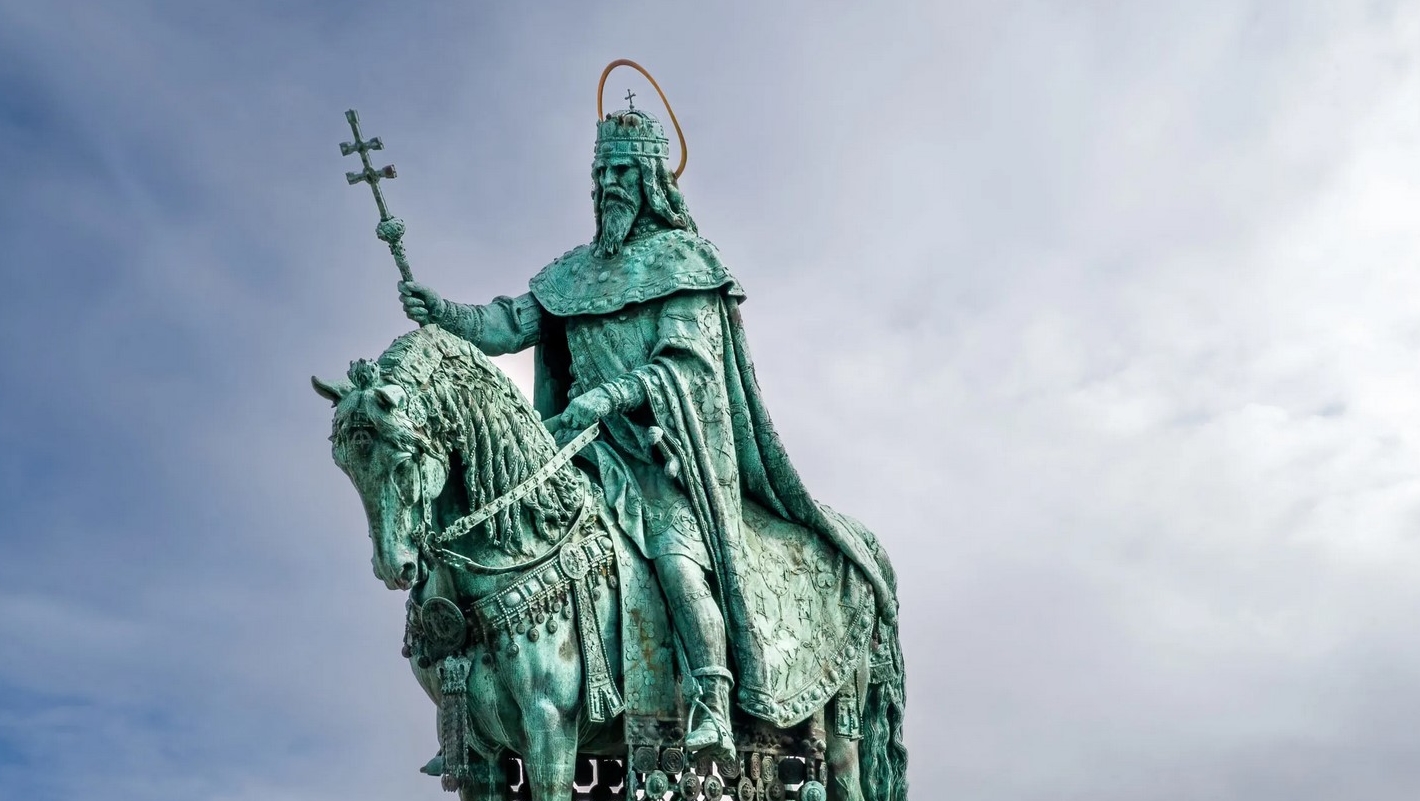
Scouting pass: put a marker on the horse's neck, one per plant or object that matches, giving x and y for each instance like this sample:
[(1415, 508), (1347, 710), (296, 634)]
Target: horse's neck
[(479, 547), (495, 421), (439, 583), (459, 586)]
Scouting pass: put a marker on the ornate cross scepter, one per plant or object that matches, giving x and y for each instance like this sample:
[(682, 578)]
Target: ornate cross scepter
[(391, 229)]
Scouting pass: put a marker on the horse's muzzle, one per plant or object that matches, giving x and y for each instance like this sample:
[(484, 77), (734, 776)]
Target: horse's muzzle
[(408, 574)]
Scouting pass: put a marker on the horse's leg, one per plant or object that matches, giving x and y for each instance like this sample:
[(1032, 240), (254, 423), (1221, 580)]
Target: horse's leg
[(489, 782), (429, 680), (551, 756), (845, 782), (545, 682)]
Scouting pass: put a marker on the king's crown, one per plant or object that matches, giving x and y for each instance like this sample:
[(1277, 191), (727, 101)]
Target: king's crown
[(632, 132)]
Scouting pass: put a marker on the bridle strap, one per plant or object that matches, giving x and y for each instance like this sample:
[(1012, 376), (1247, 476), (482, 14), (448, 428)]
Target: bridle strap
[(429, 544), (468, 522), (459, 560)]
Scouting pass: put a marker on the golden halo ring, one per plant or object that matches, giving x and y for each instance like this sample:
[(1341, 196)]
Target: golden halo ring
[(626, 62)]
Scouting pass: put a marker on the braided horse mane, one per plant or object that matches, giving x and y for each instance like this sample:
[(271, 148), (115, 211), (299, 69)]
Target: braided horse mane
[(467, 411)]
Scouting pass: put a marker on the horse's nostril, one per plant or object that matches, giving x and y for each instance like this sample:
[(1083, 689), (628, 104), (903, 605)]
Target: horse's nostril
[(406, 571)]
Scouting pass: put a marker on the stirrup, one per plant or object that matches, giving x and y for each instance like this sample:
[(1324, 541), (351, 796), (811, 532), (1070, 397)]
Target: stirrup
[(724, 738), (723, 741)]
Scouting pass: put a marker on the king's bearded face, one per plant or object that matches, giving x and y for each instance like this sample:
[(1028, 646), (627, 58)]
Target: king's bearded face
[(619, 192)]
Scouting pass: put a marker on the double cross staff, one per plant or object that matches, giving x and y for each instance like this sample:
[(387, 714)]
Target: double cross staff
[(391, 229)]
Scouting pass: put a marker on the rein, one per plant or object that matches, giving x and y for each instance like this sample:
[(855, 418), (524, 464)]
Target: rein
[(431, 545)]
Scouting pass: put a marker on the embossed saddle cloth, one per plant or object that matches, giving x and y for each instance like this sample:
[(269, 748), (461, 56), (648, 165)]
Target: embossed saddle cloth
[(801, 638), (808, 619)]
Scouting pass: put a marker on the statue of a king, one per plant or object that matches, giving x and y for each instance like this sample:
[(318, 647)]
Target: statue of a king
[(640, 331)]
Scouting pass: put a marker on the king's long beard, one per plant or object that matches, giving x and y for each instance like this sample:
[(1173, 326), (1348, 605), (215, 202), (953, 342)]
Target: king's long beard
[(617, 219)]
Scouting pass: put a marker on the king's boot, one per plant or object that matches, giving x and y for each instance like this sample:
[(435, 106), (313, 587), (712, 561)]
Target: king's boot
[(701, 628), (710, 712)]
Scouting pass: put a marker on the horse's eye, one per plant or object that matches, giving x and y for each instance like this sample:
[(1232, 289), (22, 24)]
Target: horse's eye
[(404, 474), (404, 471)]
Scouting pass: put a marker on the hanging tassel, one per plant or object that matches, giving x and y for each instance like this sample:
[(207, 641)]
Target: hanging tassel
[(453, 717)]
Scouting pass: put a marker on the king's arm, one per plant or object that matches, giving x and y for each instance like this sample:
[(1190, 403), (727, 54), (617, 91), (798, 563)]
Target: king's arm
[(688, 339), (506, 325)]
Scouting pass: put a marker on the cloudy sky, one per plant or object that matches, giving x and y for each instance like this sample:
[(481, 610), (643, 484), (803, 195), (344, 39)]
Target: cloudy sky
[(1105, 316)]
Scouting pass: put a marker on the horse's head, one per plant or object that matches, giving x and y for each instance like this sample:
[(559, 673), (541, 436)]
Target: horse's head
[(379, 441), (432, 431)]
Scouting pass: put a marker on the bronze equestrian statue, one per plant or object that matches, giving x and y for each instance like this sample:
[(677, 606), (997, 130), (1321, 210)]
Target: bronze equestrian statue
[(629, 566)]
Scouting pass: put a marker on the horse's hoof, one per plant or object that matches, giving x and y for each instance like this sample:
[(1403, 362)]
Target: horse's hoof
[(435, 766)]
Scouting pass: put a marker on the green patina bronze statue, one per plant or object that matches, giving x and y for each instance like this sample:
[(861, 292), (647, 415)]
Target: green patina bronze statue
[(624, 583)]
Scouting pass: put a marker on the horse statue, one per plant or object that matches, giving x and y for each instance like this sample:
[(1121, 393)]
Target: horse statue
[(541, 643)]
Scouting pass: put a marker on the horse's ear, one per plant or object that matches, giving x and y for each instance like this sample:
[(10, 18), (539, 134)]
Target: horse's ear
[(391, 396), (332, 391)]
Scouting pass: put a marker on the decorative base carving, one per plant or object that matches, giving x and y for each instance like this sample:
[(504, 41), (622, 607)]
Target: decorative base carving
[(750, 776), (770, 765)]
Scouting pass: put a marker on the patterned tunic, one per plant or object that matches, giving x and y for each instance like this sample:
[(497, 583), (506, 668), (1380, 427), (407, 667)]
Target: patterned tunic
[(694, 466), (605, 348)]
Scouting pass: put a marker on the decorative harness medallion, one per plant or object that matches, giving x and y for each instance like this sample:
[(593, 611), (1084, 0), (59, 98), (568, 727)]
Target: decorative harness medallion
[(444, 624), (574, 562)]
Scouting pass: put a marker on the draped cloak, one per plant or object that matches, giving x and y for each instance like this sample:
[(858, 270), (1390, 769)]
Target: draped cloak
[(802, 586)]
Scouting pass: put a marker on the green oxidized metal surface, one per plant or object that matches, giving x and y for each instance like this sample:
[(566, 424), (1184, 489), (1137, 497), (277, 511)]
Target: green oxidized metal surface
[(583, 282), (674, 597)]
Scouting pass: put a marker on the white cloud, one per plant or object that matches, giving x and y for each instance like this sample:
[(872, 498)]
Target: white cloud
[(1101, 318)]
